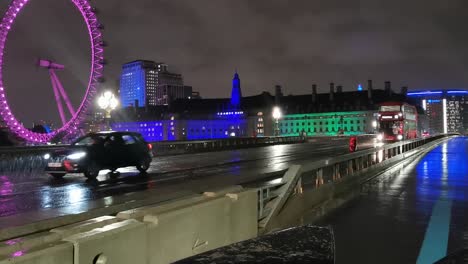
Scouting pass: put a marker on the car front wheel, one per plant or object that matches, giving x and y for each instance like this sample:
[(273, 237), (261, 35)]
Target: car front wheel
[(92, 171), (144, 165)]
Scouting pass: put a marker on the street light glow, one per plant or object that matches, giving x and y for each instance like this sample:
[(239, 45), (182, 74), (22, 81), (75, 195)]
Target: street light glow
[(107, 101), (276, 112)]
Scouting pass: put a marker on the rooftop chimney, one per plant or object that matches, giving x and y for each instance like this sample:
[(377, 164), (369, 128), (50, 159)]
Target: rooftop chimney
[(339, 89), (332, 91), (278, 94), (388, 87), (314, 93), (369, 89), (404, 90)]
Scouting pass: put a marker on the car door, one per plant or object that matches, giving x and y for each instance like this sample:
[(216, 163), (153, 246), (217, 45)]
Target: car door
[(115, 151), (131, 150)]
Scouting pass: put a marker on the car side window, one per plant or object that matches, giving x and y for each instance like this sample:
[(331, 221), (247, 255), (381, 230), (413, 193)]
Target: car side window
[(128, 140)]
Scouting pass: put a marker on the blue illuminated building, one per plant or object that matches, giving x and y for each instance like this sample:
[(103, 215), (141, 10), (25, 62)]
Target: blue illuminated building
[(147, 83), (446, 109), (151, 130), (136, 83), (229, 121), (185, 129)]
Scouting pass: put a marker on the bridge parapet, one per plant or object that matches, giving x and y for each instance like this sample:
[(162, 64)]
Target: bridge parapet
[(331, 177)]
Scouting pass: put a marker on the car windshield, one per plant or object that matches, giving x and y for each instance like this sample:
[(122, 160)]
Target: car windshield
[(89, 140)]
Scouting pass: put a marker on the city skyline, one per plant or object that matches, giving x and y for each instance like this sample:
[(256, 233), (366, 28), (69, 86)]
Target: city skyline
[(268, 42)]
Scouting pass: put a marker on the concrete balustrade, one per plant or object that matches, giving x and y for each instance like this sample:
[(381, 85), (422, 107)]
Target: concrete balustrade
[(161, 233), (47, 247), (118, 243), (49, 253)]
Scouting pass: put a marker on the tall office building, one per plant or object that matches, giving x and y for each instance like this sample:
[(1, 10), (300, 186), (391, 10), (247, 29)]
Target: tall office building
[(170, 86), (147, 83), (138, 83), (446, 110)]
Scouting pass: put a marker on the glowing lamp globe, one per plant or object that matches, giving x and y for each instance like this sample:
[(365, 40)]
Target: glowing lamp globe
[(108, 101), (276, 112)]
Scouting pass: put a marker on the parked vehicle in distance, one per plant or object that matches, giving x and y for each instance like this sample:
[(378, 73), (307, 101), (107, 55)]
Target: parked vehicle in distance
[(97, 151)]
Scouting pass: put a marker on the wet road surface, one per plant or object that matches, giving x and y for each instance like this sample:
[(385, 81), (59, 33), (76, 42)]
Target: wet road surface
[(30, 196), (416, 215)]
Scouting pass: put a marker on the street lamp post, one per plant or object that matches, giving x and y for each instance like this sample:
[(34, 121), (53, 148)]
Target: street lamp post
[(108, 102), (276, 117)]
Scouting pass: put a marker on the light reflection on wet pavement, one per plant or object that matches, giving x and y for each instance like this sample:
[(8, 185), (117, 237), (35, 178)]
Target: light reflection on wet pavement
[(389, 223), (24, 192)]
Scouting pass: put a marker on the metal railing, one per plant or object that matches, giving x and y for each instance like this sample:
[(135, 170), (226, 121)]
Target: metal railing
[(174, 147), (330, 171)]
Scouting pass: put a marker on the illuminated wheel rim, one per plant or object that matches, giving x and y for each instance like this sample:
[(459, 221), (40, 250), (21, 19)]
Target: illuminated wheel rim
[(97, 57)]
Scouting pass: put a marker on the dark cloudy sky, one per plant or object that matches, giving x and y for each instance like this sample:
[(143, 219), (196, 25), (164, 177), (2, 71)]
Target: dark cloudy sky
[(422, 44)]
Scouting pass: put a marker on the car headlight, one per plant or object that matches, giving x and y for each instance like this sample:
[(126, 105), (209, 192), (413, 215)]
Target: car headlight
[(379, 137), (46, 156), (77, 155), (400, 137)]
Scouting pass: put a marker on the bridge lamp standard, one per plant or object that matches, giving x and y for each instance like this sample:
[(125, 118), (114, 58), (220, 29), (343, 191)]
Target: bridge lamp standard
[(108, 102), (276, 116)]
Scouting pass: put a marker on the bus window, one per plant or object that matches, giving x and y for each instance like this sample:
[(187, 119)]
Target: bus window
[(389, 108)]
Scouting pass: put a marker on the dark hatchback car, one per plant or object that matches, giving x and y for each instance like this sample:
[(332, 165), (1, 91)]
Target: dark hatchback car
[(97, 151)]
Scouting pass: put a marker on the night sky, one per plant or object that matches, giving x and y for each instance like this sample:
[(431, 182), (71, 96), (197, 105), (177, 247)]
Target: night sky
[(421, 44)]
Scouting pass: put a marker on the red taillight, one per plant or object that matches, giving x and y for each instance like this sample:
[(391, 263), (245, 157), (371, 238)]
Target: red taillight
[(150, 147)]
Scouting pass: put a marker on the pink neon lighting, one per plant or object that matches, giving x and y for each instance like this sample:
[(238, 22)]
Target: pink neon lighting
[(18, 253), (57, 100), (64, 95), (97, 58)]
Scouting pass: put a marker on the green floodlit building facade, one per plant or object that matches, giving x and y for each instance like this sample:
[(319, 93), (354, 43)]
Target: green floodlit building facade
[(328, 124)]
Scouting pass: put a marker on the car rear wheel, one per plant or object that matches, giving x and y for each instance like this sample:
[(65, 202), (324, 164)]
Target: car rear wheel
[(92, 171), (144, 165), (57, 175)]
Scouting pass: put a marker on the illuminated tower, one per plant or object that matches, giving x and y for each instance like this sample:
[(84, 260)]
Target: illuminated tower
[(236, 93)]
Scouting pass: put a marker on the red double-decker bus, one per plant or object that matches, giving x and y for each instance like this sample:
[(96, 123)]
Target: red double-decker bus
[(397, 121)]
